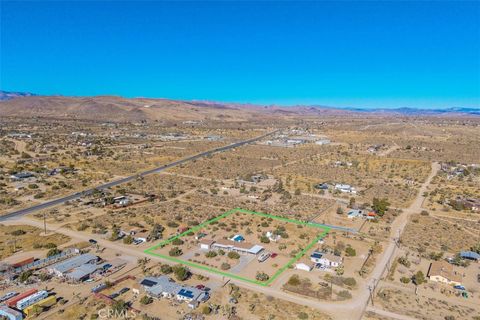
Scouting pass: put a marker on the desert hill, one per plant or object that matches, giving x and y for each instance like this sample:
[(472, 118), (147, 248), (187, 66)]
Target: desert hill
[(117, 109)]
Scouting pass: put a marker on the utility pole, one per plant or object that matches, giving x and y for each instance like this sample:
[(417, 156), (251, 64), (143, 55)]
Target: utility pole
[(371, 288), (398, 239), (331, 287), (45, 223), (371, 295)]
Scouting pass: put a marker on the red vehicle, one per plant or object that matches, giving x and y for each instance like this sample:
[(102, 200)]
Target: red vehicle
[(12, 303), (200, 287), (273, 255)]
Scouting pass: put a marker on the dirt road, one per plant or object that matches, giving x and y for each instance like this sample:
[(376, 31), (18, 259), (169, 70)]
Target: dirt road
[(350, 309)]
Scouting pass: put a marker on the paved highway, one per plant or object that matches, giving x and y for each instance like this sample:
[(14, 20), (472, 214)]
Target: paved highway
[(77, 195)]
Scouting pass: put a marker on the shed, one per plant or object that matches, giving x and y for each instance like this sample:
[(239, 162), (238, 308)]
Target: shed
[(206, 244), (303, 266)]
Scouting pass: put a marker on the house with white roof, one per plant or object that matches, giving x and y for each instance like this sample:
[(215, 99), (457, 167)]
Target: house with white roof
[(240, 247), (326, 259), (330, 260), (345, 188)]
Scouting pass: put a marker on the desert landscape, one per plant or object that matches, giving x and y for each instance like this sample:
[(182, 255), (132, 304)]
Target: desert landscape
[(324, 215)]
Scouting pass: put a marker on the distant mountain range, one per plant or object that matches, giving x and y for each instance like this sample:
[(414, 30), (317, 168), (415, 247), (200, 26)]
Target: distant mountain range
[(414, 111), (118, 109), (6, 95)]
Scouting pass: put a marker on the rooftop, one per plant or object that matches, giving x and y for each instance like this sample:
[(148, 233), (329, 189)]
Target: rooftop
[(74, 262), (7, 310), (207, 241), (445, 270), (82, 271), (163, 284), (332, 257)]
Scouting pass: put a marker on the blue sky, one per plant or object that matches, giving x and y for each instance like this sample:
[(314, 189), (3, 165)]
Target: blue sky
[(359, 54)]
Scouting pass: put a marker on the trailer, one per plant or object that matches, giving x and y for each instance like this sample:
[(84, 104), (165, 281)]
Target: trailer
[(34, 298), (9, 313), (45, 303), (12, 303)]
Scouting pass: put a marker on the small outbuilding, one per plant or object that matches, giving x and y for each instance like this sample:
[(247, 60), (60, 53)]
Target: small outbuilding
[(303, 266), (206, 244)]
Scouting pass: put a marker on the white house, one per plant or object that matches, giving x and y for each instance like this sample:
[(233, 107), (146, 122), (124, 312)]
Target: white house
[(240, 247), (326, 259), (330, 260)]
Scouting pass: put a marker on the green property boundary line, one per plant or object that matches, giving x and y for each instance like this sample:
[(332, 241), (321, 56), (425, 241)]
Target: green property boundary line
[(297, 257)]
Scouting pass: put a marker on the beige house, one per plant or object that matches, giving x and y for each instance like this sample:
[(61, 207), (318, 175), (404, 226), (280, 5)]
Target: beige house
[(442, 271)]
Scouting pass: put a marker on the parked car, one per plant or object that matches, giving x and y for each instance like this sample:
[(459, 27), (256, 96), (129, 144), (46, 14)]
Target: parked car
[(92, 241), (459, 287), (200, 287), (123, 290), (99, 287), (273, 255), (107, 266), (113, 295)]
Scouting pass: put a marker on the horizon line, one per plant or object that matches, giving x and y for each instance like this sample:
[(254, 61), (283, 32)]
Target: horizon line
[(263, 104)]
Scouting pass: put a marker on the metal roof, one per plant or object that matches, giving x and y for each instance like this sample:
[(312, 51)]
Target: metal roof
[(82, 271), (160, 285), (163, 285), (74, 262), (255, 249)]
